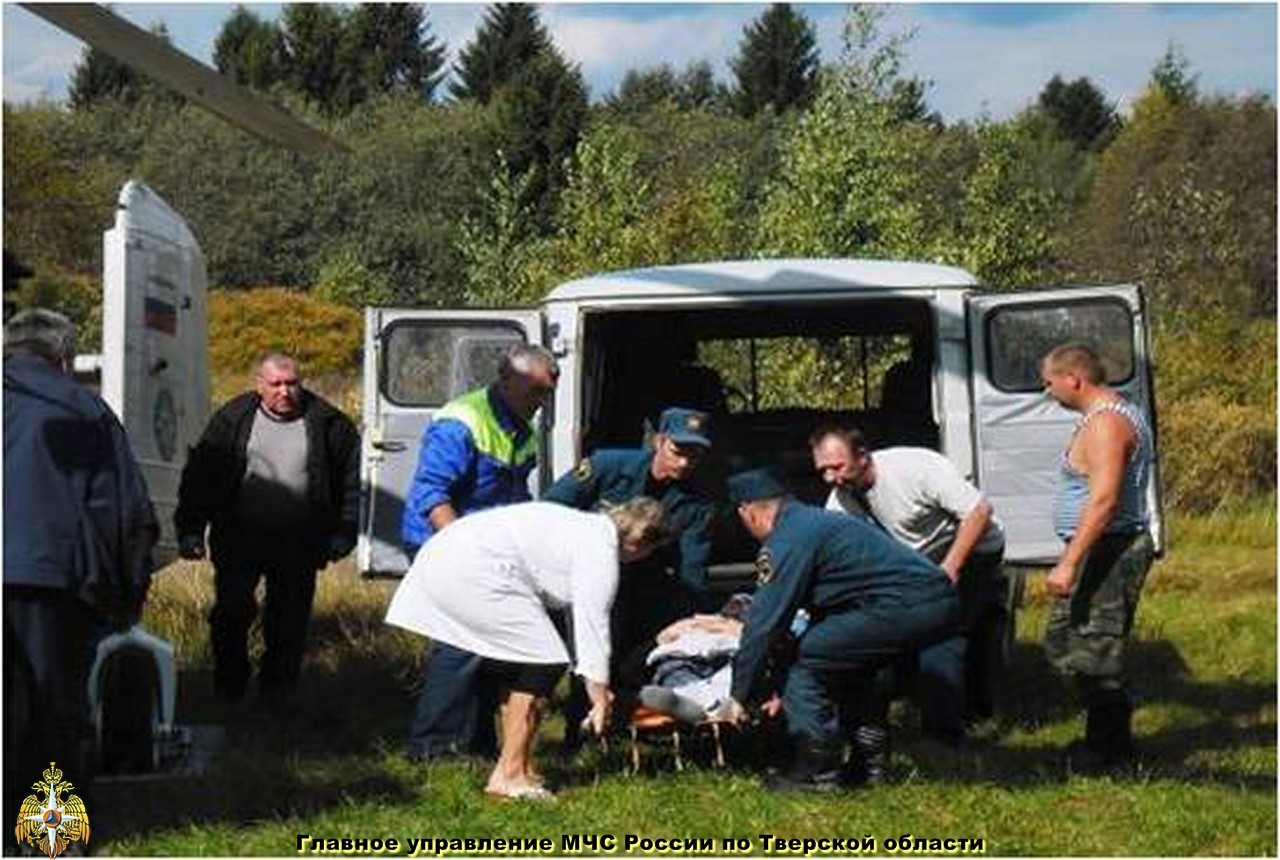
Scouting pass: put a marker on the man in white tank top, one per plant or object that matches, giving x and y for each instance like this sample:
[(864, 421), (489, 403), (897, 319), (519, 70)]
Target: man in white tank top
[(1101, 513)]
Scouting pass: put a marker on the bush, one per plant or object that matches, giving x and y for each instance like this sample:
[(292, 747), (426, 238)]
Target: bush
[(324, 337), (1216, 389), (77, 297), (1216, 454)]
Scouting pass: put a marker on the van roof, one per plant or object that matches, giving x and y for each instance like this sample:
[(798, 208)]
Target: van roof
[(763, 276)]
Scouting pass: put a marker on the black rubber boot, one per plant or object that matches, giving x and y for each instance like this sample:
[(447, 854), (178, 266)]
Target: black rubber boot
[(869, 763), (1108, 738), (814, 768), (1115, 735)]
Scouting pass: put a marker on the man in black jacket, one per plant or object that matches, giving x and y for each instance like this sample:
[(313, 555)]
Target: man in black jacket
[(276, 478), (78, 535)]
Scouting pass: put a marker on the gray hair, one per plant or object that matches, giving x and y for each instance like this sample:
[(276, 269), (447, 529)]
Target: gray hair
[(642, 519), (521, 358), (273, 356), (43, 333)]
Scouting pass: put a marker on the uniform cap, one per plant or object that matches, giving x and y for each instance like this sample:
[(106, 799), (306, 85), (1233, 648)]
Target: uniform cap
[(686, 426), (754, 485)]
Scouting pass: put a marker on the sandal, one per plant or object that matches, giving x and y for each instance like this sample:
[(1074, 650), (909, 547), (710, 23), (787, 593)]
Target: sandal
[(520, 792)]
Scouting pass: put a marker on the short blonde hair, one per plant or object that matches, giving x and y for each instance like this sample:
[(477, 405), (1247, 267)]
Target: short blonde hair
[(641, 519), (1077, 358)]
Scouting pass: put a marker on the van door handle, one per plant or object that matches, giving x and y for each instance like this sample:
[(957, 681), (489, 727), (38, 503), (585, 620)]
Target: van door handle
[(390, 446)]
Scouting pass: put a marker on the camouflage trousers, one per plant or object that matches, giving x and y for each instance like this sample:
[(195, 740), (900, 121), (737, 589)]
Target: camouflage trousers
[(1087, 631)]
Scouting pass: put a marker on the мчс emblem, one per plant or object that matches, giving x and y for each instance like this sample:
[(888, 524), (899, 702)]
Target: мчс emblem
[(52, 818), (764, 567), (583, 471)]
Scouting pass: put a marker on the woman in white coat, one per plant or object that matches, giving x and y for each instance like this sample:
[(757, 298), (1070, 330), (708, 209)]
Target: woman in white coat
[(487, 584)]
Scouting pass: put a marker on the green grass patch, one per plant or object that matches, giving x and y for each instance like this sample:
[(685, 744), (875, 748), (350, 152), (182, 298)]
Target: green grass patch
[(1204, 670)]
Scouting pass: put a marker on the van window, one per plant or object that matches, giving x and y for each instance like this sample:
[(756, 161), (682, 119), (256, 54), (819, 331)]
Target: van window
[(768, 373), (418, 357), (836, 372), (1018, 336)]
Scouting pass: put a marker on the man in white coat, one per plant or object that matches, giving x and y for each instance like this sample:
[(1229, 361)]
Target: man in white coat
[(488, 583)]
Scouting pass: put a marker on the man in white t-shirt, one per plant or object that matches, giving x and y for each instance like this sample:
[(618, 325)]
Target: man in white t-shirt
[(920, 497)]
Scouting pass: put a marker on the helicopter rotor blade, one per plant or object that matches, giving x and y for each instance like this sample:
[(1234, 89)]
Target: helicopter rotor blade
[(101, 28)]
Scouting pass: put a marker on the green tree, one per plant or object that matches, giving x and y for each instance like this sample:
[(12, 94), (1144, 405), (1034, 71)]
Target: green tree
[(343, 279), (1008, 215), (386, 48), (397, 203), (1080, 112), (777, 62), (539, 115), (1184, 200), (645, 90), (53, 218), (250, 50), (844, 184), (312, 40), (605, 205), (908, 102), (694, 88), (99, 77), (1172, 76), (510, 36), (504, 256)]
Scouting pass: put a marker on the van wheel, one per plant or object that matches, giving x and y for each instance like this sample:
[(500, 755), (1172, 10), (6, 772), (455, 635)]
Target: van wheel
[(128, 712)]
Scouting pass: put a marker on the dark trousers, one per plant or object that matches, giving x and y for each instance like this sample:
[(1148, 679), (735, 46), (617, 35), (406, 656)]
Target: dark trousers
[(454, 711), (1087, 634), (956, 678), (838, 657), (289, 570), (48, 650)]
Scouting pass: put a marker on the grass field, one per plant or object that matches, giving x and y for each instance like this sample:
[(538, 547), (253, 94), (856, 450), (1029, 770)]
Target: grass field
[(1204, 667)]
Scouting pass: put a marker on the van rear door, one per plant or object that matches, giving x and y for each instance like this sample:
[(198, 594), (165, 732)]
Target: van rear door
[(1019, 431), (154, 343), (414, 363)]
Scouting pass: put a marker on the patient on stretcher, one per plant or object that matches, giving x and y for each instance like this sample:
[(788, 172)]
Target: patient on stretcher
[(692, 663)]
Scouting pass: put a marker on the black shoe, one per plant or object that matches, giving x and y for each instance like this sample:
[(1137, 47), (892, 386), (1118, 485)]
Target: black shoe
[(814, 768), (824, 782), (1088, 760), (868, 762)]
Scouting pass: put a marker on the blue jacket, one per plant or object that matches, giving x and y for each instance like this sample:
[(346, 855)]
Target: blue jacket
[(825, 563), (77, 515), (616, 475), (474, 455)]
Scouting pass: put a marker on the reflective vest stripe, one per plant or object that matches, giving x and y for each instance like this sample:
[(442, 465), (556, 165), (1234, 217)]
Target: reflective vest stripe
[(474, 410)]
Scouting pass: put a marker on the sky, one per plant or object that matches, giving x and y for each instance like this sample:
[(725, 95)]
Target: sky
[(981, 60)]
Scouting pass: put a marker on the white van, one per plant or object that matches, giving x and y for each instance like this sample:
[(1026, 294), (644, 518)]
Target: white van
[(912, 353)]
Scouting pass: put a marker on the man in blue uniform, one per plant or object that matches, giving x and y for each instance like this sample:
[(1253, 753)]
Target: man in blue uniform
[(649, 599), (921, 499), (614, 475), (79, 529), (869, 600), (477, 453)]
